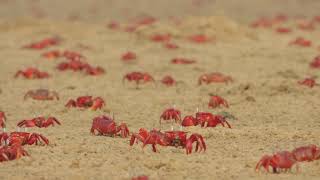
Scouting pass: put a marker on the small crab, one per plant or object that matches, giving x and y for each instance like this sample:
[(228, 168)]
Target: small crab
[(138, 77), (105, 125), (280, 160), (32, 73), (94, 71), (300, 41), (310, 82), (316, 62), (168, 81), (41, 94), (73, 64), (283, 30), (128, 56), (306, 153), (86, 102), (199, 38), (22, 138), (39, 122), (215, 101), (170, 45), (15, 151), (206, 119), (44, 43), (182, 61), (72, 55), (171, 114), (52, 54), (160, 37), (214, 77)]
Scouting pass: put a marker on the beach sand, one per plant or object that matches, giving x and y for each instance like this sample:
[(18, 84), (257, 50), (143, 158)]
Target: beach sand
[(273, 111)]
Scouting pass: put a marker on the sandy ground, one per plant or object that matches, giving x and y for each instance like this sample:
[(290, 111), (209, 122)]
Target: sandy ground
[(274, 112)]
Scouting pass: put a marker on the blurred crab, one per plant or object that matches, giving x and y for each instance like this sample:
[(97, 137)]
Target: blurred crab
[(22, 138), (39, 122), (168, 81), (171, 114), (280, 160), (44, 43), (310, 82), (215, 101), (3, 120), (300, 41), (138, 77), (32, 73), (214, 77), (86, 102), (182, 61), (15, 151), (41, 94)]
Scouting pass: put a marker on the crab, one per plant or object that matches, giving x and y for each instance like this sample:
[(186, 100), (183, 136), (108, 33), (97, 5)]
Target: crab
[(214, 77), (160, 37), (206, 119), (129, 56), (73, 64), (280, 160), (306, 153), (306, 25), (23, 138), (71, 55), (300, 41), (8, 153), (86, 102), (44, 43), (182, 61), (41, 94), (199, 38), (52, 54), (94, 71), (310, 82), (3, 120), (32, 73), (168, 81), (169, 138), (283, 30), (189, 121), (142, 177), (105, 125), (169, 114), (316, 62), (215, 101), (138, 77), (170, 45), (39, 122)]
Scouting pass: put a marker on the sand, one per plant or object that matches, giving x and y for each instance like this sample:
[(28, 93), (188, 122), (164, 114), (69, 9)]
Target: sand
[(273, 111)]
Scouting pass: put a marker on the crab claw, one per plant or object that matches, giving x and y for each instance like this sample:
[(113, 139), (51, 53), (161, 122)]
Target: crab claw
[(199, 146)]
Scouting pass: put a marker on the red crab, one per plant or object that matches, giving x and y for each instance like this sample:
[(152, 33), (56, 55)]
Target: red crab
[(182, 61), (169, 138), (44, 43), (280, 160), (199, 38), (168, 81), (23, 138), (206, 119), (86, 102), (310, 82), (138, 77), (216, 101), (160, 37), (143, 177), (106, 126), (300, 41), (52, 54), (170, 114), (306, 25), (3, 120), (316, 62), (71, 55), (94, 71), (283, 30), (73, 64), (170, 45), (189, 121), (39, 122), (41, 94), (32, 73), (262, 22), (306, 153), (214, 77), (128, 56), (8, 153)]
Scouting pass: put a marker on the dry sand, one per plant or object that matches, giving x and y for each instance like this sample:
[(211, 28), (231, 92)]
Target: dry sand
[(274, 112)]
